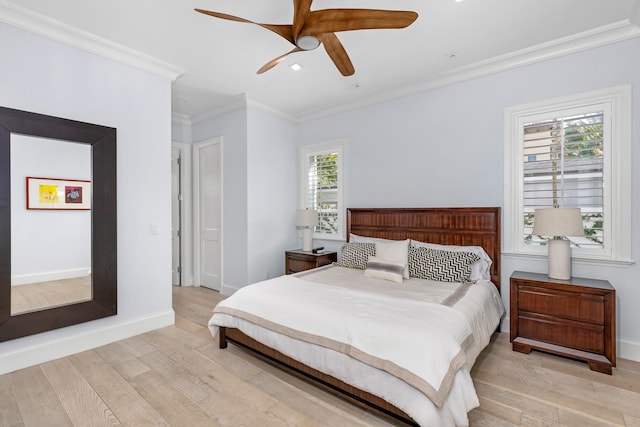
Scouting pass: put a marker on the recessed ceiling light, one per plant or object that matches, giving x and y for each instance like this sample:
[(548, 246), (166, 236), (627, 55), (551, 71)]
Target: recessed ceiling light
[(295, 67)]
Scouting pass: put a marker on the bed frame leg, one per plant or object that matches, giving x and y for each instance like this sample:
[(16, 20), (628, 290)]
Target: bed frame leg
[(222, 333)]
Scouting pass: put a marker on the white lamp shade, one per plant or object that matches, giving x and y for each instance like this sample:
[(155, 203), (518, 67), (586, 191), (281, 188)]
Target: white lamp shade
[(306, 218), (553, 222)]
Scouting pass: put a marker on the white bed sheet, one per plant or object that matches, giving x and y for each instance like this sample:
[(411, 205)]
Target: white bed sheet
[(481, 305)]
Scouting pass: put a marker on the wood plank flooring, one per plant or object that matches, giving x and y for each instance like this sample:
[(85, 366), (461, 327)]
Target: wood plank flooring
[(176, 376)]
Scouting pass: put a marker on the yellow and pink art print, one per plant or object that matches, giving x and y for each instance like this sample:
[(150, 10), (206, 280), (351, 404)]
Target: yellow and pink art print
[(56, 193)]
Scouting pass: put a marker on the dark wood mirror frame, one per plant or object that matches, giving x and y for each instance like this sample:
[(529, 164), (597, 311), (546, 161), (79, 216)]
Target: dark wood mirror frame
[(103, 222)]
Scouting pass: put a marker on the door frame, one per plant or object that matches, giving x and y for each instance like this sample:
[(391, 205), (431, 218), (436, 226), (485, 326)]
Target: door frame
[(176, 198), (196, 208), (186, 226)]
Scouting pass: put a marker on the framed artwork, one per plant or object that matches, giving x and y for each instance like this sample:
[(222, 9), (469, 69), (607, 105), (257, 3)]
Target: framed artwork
[(56, 193)]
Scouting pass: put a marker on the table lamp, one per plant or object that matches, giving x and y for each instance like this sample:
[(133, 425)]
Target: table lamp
[(557, 223), (307, 219)]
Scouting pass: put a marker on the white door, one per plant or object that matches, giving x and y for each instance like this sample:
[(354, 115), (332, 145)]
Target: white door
[(208, 186), (176, 218)]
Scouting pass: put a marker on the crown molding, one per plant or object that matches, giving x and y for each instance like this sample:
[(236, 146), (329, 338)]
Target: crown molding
[(237, 103), (616, 32), (36, 23), (182, 119), (271, 110)]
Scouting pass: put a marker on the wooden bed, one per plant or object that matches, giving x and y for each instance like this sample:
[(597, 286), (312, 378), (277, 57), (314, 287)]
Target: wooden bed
[(465, 226)]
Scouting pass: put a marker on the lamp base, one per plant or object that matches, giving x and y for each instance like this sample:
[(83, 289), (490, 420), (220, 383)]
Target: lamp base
[(307, 239), (559, 259)]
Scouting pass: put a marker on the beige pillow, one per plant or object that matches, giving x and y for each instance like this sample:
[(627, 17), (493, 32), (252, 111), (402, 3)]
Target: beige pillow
[(396, 251)]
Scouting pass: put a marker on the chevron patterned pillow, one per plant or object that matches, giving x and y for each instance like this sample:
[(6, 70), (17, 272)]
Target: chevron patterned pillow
[(356, 255), (441, 266)]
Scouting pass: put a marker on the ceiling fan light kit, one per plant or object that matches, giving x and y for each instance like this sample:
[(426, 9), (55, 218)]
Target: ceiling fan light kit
[(307, 42), (311, 28)]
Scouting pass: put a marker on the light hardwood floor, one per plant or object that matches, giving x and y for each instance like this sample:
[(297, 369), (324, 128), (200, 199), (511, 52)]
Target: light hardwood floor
[(177, 376)]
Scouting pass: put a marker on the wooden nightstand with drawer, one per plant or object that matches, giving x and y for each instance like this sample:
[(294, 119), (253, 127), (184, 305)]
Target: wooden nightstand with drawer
[(299, 260), (574, 318)]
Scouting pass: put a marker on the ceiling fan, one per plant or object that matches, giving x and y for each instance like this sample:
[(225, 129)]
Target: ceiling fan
[(310, 28)]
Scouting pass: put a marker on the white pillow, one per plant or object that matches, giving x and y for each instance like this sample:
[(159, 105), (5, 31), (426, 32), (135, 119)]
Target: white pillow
[(382, 269), (364, 239), (479, 271), (396, 251)]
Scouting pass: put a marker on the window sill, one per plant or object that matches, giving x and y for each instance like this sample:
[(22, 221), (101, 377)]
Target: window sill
[(577, 260)]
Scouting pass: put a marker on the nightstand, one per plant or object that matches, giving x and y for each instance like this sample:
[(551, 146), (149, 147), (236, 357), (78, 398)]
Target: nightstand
[(574, 318), (299, 260)]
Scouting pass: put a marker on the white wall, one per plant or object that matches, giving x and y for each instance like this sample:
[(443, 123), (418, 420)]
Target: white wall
[(180, 130), (48, 77), (272, 193), (444, 147)]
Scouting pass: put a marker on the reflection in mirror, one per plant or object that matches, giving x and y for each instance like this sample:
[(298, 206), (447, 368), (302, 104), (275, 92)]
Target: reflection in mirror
[(50, 248)]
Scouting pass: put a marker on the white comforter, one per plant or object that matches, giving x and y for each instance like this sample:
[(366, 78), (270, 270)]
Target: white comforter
[(372, 330)]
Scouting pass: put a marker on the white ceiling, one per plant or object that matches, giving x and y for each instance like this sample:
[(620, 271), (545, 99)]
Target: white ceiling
[(451, 40)]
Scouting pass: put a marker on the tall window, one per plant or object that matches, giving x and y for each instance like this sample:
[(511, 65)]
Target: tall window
[(563, 167), (322, 187), (572, 152)]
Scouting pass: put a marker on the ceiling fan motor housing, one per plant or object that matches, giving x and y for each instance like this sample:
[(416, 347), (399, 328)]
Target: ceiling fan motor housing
[(307, 42)]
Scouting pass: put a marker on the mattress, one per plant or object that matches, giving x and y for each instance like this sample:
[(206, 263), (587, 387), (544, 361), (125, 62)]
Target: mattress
[(478, 304)]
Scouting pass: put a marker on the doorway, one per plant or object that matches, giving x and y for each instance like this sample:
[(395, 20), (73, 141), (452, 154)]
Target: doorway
[(207, 188)]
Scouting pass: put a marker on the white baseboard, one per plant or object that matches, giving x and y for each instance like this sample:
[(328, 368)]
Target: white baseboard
[(228, 290), (504, 325), (52, 350), (626, 349), (49, 276), (629, 350)]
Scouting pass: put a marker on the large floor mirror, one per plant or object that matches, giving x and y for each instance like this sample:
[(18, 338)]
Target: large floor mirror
[(58, 259)]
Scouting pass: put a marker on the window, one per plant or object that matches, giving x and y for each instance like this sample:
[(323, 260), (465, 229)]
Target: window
[(563, 167), (572, 152), (322, 186)]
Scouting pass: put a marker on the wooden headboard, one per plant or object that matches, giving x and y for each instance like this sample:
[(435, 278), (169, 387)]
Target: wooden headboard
[(445, 226)]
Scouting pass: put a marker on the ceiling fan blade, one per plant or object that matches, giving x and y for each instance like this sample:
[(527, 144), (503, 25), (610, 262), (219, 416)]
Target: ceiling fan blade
[(336, 20), (285, 31), (337, 53), (301, 9), (269, 65)]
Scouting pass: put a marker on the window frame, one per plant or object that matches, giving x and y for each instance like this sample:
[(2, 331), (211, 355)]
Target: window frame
[(617, 189), (324, 148)]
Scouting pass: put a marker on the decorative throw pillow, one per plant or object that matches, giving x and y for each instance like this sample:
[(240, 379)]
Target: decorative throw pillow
[(356, 255), (382, 269), (479, 270), (442, 266), (394, 251)]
